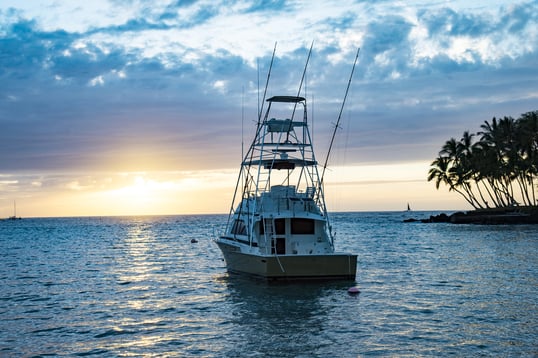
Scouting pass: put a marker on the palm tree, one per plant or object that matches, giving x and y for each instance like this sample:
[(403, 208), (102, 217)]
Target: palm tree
[(503, 163), (485, 171), (528, 134), (447, 168), (499, 137), (439, 171)]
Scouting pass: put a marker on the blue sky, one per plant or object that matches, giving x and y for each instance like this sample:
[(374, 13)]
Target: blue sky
[(95, 92)]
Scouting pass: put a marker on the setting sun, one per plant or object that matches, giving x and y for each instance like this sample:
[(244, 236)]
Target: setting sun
[(138, 197), (160, 193)]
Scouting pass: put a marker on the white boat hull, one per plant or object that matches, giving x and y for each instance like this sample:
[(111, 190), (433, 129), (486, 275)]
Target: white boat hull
[(290, 267)]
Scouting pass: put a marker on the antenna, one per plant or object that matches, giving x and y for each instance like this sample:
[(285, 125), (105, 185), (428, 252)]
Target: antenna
[(242, 120), (258, 70), (312, 120), (339, 116), (250, 152)]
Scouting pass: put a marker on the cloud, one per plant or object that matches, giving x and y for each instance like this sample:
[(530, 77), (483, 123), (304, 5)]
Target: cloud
[(265, 7), (168, 81), (446, 21)]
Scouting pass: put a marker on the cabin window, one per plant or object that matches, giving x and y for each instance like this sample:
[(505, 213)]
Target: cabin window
[(239, 228), (280, 227), (302, 226)]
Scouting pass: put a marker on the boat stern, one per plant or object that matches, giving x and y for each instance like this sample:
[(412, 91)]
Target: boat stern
[(335, 266)]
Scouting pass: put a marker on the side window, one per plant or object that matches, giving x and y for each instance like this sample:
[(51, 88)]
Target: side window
[(303, 227), (239, 228)]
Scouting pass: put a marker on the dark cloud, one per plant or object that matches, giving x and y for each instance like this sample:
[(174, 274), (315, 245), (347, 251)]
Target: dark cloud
[(518, 16), (447, 21), (134, 25), (387, 37), (268, 5), (386, 34)]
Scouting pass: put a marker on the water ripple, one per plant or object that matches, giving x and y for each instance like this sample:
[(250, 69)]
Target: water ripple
[(138, 287)]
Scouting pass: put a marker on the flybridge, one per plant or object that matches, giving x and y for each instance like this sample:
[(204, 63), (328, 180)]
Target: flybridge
[(282, 125), (278, 145), (285, 125)]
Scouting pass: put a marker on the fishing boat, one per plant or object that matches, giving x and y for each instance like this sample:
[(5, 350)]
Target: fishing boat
[(278, 227)]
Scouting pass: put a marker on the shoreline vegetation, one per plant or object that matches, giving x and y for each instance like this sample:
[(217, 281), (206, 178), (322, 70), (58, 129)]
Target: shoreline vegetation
[(497, 174)]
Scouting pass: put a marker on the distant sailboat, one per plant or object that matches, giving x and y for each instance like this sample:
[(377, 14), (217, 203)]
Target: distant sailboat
[(408, 207), (14, 217)]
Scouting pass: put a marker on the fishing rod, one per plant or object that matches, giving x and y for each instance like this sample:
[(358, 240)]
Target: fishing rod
[(260, 110), (339, 116), (300, 88), (250, 151), (266, 85), (302, 78)]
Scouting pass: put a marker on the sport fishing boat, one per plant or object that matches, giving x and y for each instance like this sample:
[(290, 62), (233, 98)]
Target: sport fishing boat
[(278, 227)]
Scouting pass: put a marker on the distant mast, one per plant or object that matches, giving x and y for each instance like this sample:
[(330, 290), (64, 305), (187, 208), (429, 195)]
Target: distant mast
[(14, 217), (408, 207)]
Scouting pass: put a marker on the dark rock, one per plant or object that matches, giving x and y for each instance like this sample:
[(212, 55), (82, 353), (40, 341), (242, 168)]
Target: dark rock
[(441, 218), (496, 216)]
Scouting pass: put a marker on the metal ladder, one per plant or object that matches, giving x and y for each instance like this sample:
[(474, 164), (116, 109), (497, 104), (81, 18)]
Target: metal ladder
[(269, 230)]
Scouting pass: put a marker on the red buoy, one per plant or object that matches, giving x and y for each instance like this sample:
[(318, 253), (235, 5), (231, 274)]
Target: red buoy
[(353, 291)]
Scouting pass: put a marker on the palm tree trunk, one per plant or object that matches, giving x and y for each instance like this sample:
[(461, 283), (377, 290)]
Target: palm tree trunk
[(487, 186), (464, 196), (524, 189), (477, 182), (473, 196), (498, 192), (530, 183)]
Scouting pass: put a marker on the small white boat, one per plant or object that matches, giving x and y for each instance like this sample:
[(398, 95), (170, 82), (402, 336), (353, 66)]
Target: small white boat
[(278, 226)]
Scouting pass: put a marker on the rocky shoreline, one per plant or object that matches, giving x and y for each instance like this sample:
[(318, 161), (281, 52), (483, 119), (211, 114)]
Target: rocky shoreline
[(518, 215)]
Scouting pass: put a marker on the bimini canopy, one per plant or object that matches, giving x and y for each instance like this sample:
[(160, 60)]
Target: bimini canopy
[(278, 164), (286, 99)]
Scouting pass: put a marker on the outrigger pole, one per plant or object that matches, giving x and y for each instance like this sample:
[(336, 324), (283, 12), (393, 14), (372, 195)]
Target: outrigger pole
[(266, 85), (241, 174), (302, 78), (339, 116)]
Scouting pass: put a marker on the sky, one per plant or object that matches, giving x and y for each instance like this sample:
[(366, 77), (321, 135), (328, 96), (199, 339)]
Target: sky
[(123, 107)]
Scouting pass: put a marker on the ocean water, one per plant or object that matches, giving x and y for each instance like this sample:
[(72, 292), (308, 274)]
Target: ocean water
[(137, 286)]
